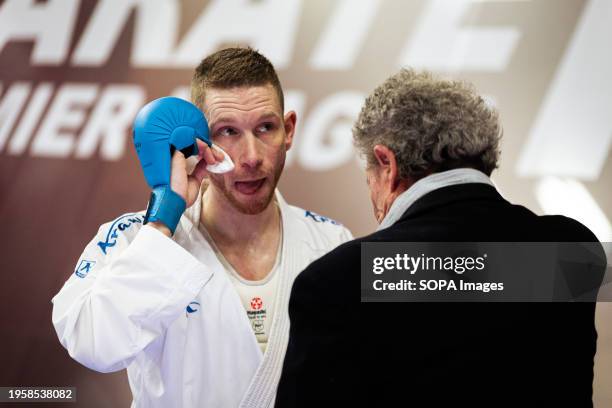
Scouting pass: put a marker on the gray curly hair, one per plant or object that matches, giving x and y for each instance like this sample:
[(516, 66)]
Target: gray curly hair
[(430, 124)]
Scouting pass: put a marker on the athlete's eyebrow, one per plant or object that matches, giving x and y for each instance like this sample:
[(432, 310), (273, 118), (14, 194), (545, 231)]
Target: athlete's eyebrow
[(231, 118), (221, 119), (269, 115)]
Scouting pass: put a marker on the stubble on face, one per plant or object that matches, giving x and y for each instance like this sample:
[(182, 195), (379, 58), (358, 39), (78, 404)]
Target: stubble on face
[(254, 205)]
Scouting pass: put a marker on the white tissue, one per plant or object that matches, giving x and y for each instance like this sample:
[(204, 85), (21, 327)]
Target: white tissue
[(226, 165)]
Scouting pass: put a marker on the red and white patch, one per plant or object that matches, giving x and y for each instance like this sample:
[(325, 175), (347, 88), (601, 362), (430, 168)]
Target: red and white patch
[(256, 303)]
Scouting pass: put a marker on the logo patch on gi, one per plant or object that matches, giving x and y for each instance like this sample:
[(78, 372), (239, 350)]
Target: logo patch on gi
[(256, 303), (257, 315), (120, 224), (319, 218), (258, 326), (84, 267), (192, 307)]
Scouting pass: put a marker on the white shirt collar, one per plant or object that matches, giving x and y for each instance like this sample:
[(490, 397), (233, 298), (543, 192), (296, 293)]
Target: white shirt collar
[(427, 185)]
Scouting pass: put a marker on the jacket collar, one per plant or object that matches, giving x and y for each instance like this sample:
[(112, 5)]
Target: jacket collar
[(451, 194), (428, 184)]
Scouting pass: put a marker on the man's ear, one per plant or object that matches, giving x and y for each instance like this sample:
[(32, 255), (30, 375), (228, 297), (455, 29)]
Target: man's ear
[(387, 164), (289, 122)]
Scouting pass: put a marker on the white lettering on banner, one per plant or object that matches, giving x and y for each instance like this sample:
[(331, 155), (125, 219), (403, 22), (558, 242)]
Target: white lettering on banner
[(49, 24), (314, 153), (155, 37), (110, 122), (66, 112), (34, 109), (440, 44), (572, 133), (107, 125), (10, 106), (268, 25), (155, 32), (344, 34)]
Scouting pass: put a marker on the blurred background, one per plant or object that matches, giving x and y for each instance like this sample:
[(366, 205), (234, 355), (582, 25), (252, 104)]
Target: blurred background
[(74, 73)]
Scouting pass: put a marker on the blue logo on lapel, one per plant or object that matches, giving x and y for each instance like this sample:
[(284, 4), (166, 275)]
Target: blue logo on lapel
[(84, 267)]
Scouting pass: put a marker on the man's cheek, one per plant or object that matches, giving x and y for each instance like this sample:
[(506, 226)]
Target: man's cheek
[(228, 148), (276, 139), (219, 180)]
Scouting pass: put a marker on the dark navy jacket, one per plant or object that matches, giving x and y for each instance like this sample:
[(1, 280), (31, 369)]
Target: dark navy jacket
[(345, 353)]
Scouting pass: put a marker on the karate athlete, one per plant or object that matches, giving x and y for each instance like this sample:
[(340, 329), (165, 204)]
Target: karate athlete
[(198, 315)]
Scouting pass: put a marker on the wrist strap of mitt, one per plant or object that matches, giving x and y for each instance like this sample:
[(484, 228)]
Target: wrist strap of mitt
[(166, 207)]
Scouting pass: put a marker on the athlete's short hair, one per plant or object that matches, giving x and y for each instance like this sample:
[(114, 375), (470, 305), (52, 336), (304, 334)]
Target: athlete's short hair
[(234, 67)]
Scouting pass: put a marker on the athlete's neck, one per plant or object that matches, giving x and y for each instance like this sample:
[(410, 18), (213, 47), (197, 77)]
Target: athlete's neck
[(227, 225)]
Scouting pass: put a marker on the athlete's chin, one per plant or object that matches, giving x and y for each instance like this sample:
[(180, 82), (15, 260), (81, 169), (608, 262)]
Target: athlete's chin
[(253, 202)]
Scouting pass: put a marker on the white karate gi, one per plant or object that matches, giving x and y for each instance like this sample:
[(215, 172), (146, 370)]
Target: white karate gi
[(166, 310)]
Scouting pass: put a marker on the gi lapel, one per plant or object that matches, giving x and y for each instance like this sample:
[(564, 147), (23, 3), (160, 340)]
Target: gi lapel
[(262, 390)]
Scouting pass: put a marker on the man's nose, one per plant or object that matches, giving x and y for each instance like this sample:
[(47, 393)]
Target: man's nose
[(251, 156)]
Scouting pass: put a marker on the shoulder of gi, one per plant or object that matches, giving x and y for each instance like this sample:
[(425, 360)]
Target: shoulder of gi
[(322, 232), (118, 232), (110, 240)]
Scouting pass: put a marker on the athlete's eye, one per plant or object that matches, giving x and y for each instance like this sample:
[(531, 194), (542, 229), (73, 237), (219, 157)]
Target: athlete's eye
[(265, 127), (226, 131)]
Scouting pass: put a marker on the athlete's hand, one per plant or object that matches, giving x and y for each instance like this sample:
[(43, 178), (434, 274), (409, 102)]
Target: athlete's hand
[(188, 185)]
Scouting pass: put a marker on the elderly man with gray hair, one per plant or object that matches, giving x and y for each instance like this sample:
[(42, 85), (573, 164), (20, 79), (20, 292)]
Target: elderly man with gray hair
[(430, 146)]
